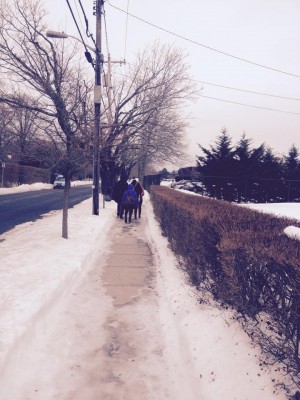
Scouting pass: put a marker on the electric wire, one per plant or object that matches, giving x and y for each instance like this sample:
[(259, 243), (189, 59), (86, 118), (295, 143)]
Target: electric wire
[(203, 45), (106, 32), (107, 48), (192, 41), (88, 33), (233, 102), (108, 82), (248, 91), (74, 19), (241, 90), (209, 83), (250, 105), (79, 16), (126, 31), (112, 88)]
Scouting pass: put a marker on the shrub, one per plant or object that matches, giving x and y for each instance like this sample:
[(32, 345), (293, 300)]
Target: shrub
[(244, 259)]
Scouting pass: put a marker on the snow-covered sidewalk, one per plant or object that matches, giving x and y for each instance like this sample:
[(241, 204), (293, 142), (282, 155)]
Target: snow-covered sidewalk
[(59, 328)]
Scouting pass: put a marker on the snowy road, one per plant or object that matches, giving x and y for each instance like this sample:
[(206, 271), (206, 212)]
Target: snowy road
[(18, 208)]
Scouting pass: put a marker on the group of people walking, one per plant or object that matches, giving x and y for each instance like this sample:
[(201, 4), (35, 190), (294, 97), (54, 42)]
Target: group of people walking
[(129, 198)]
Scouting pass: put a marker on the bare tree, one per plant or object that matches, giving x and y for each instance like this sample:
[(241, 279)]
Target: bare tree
[(6, 116), (148, 121), (52, 78), (25, 130), (162, 142)]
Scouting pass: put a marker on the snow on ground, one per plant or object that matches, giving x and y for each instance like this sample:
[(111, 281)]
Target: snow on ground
[(293, 232), (38, 267), (25, 188), (35, 186), (289, 210)]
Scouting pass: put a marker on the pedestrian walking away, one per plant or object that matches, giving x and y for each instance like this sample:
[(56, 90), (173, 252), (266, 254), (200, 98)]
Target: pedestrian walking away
[(129, 202), (118, 191), (138, 188)]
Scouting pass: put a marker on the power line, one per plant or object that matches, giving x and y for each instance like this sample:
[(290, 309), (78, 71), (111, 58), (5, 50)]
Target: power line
[(88, 34), (80, 20), (74, 19), (247, 91), (126, 30), (249, 105), (203, 45), (241, 90), (233, 102), (106, 31), (107, 81)]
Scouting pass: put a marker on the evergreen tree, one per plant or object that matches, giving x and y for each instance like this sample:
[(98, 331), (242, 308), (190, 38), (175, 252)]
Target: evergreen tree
[(217, 165), (243, 173), (247, 163), (291, 164), (291, 174), (271, 186)]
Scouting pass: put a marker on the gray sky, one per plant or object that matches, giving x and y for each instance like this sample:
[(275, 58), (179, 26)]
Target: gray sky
[(265, 32)]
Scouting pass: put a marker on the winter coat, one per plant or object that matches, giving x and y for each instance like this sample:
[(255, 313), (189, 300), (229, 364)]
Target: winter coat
[(138, 188), (119, 189), (132, 193)]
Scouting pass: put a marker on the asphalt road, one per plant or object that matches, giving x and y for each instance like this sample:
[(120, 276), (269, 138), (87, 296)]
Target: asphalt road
[(23, 207)]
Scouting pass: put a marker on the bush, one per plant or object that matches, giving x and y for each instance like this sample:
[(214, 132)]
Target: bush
[(244, 259)]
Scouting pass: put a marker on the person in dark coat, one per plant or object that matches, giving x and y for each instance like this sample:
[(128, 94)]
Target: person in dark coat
[(118, 191), (138, 188), (129, 202)]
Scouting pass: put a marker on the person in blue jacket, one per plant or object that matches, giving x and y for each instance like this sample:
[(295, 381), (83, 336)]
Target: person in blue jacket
[(129, 202)]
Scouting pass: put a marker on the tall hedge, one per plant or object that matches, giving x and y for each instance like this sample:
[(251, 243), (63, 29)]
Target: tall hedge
[(245, 260)]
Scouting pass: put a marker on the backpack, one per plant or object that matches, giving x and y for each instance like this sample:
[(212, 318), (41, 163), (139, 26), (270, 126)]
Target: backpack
[(129, 199)]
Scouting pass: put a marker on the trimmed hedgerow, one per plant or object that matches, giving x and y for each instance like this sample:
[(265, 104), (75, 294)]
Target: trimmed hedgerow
[(244, 259)]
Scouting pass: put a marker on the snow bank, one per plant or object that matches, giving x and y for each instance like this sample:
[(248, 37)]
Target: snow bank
[(37, 265), (289, 210), (36, 186), (293, 232), (215, 351)]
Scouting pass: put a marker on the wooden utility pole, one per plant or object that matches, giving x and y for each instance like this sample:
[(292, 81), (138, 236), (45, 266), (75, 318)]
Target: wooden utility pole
[(97, 109), (108, 85), (109, 89)]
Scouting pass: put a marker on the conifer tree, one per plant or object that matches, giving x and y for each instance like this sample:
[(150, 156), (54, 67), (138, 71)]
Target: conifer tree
[(217, 164), (247, 163), (291, 164), (291, 174), (271, 187)]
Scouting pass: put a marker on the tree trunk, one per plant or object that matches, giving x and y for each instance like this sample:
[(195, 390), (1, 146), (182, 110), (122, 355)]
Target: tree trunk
[(108, 177), (141, 168), (65, 208)]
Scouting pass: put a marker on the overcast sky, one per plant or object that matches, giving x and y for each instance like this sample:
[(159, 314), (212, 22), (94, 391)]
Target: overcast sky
[(265, 32)]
